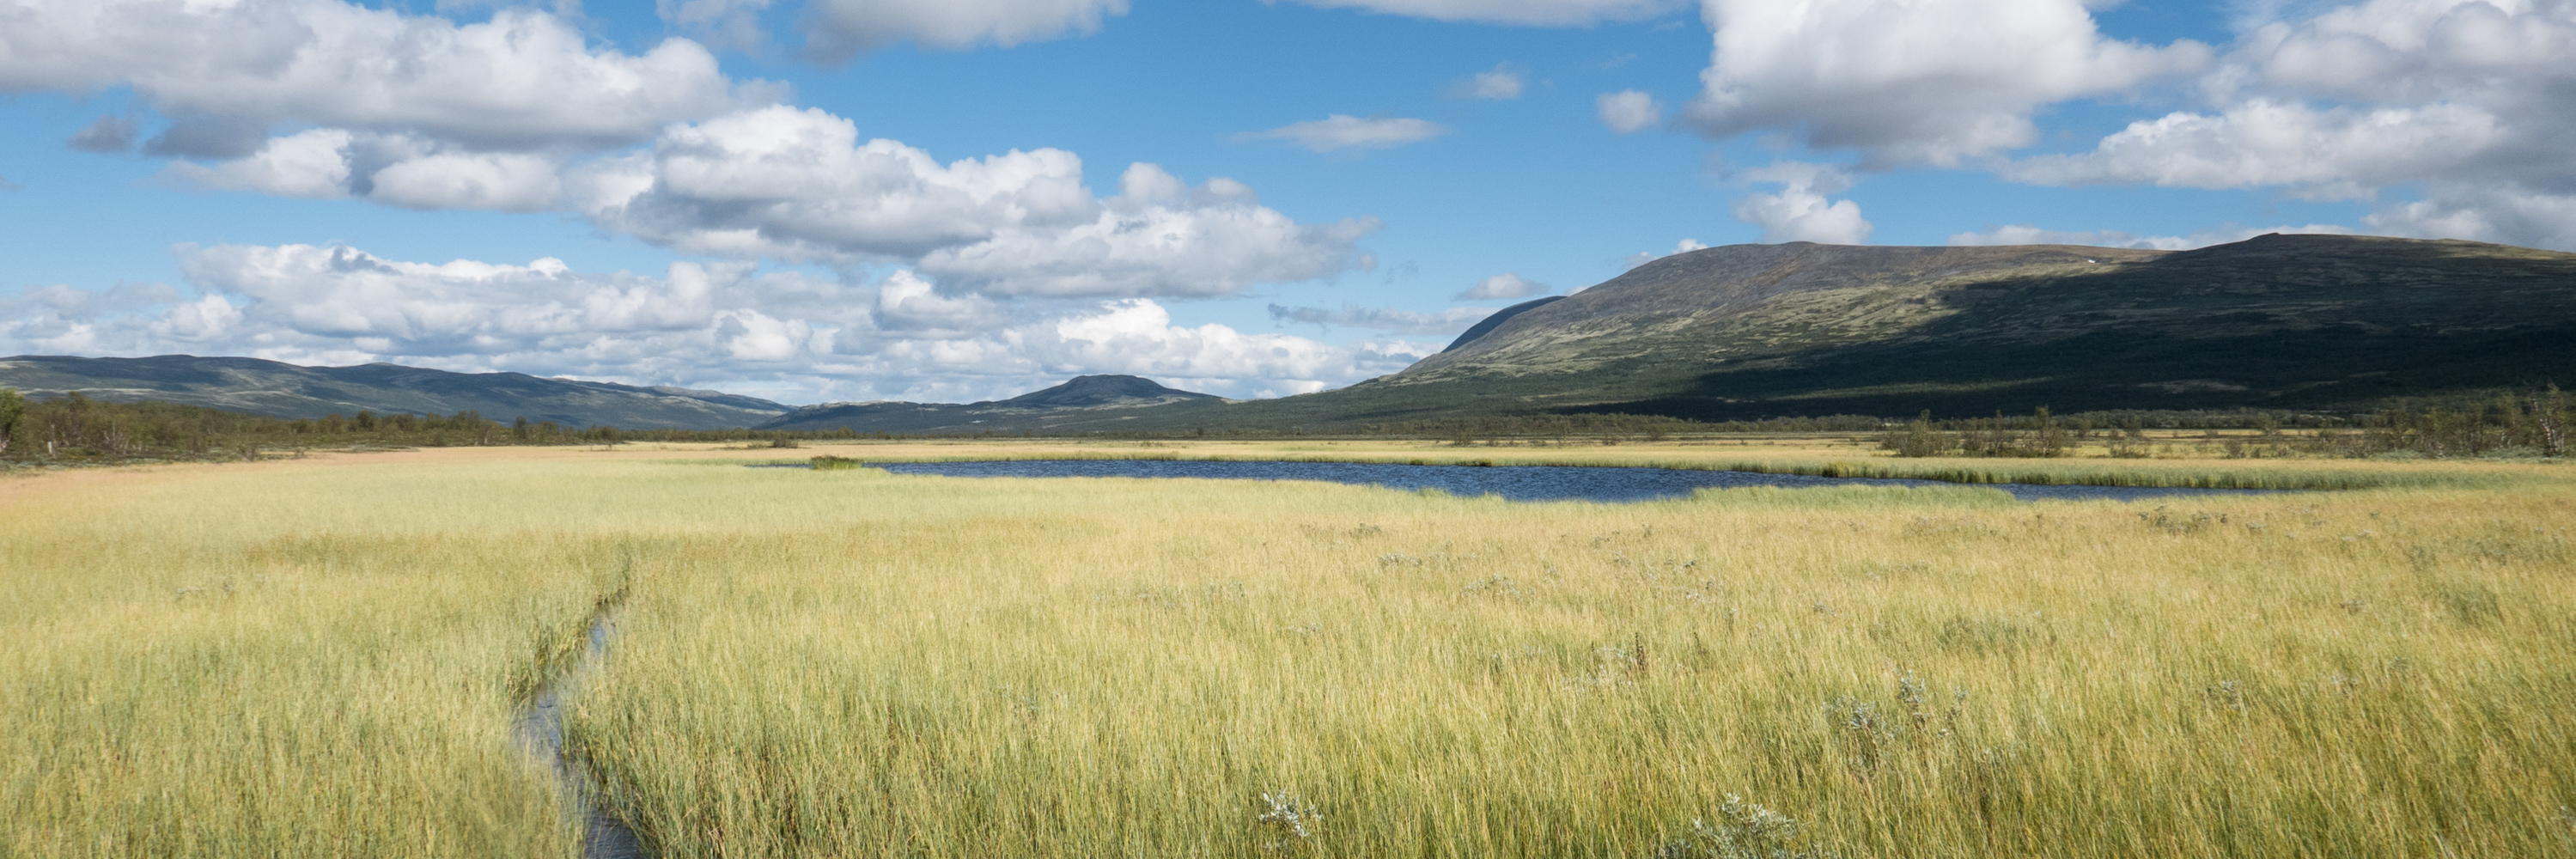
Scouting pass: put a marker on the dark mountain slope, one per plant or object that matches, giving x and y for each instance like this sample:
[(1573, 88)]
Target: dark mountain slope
[(1749, 331), (2296, 322), (290, 391), (1085, 404), (1488, 324), (1084, 392)]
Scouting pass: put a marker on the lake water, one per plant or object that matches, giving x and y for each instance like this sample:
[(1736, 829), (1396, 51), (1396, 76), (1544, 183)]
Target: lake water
[(1514, 482)]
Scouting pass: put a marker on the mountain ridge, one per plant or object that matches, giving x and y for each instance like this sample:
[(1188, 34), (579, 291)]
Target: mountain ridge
[(1083, 403), (2306, 322), (2277, 321), (279, 389)]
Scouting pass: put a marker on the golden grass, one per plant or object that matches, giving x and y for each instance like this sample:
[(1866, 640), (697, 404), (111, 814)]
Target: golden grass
[(277, 661), (856, 664)]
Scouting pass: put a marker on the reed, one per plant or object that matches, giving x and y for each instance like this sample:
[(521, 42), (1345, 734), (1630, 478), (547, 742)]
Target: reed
[(1113, 667), (854, 663), (276, 662)]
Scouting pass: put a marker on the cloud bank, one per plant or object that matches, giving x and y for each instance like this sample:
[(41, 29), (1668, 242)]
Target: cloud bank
[(727, 325), (800, 185), (2448, 117), (1912, 81), (522, 80)]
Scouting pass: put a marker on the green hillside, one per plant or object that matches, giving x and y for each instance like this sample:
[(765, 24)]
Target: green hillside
[(2336, 323)]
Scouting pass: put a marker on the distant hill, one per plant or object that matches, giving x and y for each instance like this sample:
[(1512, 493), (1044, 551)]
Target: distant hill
[(1748, 331), (285, 390), (2312, 323), (1085, 404)]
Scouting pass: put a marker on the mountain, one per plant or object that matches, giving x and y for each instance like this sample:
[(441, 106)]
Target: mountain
[(1085, 404), (1488, 324), (2322, 323), (291, 391), (1747, 331)]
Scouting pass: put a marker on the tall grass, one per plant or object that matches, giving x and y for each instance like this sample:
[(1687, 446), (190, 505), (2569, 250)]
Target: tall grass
[(850, 663), (279, 662), (1131, 668)]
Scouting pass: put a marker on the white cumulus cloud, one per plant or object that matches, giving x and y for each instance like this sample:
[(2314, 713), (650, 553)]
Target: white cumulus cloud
[(1912, 81), (1341, 131), (1800, 212), (522, 80), (799, 184), (312, 163), (2496, 213), (791, 184), (1504, 83), (393, 169), (1214, 240), (2463, 103), (2336, 153), (1628, 111)]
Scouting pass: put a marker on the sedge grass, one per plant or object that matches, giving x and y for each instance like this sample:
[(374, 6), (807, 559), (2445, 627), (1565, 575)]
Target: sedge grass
[(1133, 668), (279, 661), (850, 663)]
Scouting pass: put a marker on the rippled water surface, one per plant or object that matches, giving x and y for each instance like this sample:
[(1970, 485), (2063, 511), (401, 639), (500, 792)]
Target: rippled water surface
[(1515, 482)]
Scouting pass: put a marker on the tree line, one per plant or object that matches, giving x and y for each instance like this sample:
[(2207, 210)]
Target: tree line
[(74, 428), (2534, 423)]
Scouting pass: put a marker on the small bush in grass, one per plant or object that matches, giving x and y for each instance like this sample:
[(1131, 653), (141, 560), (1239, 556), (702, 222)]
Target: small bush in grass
[(834, 463), (1743, 831)]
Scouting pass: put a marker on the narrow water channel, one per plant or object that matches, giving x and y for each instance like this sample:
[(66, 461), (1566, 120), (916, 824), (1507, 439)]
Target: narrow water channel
[(1513, 482), (540, 730)]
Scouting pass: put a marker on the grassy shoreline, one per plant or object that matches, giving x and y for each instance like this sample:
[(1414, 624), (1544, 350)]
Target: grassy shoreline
[(1847, 462)]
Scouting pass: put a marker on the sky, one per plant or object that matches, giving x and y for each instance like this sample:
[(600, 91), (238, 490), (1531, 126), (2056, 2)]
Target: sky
[(956, 200)]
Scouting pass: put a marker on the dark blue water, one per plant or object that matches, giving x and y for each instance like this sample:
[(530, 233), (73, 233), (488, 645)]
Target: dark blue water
[(1514, 482)]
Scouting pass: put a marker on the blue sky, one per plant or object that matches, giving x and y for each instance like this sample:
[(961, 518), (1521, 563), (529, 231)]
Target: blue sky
[(818, 200)]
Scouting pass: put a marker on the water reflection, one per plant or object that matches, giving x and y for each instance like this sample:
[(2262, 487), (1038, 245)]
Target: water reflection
[(1514, 482)]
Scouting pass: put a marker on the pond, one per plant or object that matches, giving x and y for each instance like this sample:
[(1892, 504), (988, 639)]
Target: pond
[(1513, 482)]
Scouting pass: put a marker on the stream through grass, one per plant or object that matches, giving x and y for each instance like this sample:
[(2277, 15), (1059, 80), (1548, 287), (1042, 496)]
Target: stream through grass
[(540, 730), (1513, 482)]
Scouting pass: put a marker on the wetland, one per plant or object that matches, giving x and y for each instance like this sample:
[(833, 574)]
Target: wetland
[(350, 655)]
